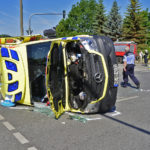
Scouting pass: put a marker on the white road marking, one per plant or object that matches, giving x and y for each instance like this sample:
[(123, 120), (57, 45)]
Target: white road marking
[(63, 122), (8, 126), (91, 119), (126, 99), (142, 90), (20, 107), (115, 113), (20, 138), (32, 148), (84, 117), (1, 117)]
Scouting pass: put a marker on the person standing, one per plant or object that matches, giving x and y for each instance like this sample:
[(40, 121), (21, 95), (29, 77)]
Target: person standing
[(128, 69), (146, 57), (141, 56)]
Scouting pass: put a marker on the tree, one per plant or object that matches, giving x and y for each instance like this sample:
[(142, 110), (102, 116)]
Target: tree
[(4, 35), (148, 30), (133, 25), (99, 19), (146, 24), (114, 23), (61, 29), (80, 19)]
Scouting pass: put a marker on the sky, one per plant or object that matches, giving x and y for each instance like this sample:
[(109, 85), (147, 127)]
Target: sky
[(10, 13)]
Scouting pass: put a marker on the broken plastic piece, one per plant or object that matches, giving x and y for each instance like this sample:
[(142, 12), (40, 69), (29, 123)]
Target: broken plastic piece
[(7, 103), (42, 108), (78, 117)]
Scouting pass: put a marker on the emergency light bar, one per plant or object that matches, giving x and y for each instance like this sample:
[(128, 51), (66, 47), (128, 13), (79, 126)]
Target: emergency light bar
[(18, 40)]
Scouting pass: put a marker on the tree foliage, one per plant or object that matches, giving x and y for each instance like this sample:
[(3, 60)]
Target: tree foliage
[(99, 19), (133, 25), (88, 17), (80, 19), (114, 23), (146, 24), (4, 35)]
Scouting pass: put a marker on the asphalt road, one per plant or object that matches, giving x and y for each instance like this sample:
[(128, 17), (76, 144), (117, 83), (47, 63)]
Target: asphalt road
[(126, 129)]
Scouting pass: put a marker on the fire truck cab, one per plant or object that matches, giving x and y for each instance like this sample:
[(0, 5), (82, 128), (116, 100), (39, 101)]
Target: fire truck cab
[(120, 49)]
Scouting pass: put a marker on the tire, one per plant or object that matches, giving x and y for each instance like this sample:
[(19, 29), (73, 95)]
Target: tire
[(106, 47)]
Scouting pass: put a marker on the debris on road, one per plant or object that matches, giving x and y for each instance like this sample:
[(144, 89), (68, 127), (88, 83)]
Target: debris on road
[(42, 108)]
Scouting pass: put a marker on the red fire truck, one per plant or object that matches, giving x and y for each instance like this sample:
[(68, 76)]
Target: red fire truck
[(120, 49)]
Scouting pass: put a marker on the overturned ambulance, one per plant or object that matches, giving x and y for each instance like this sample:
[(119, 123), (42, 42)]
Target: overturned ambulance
[(81, 73)]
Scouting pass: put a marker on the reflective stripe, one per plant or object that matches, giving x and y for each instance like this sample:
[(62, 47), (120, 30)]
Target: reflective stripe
[(75, 38), (4, 52), (11, 66), (14, 55), (106, 75), (64, 38), (13, 86), (18, 97)]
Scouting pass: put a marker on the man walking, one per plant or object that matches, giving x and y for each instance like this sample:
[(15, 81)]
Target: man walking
[(128, 69)]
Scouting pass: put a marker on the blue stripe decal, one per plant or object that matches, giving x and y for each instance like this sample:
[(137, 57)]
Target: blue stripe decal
[(18, 97), (9, 76), (14, 55), (11, 66), (116, 85), (13, 86), (75, 38), (4, 52), (64, 38)]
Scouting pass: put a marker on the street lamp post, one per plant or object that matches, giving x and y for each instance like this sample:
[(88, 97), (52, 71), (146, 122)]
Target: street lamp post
[(21, 18), (29, 31)]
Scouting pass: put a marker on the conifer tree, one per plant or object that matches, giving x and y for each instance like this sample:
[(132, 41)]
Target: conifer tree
[(133, 25), (146, 24), (148, 36), (114, 23), (99, 19)]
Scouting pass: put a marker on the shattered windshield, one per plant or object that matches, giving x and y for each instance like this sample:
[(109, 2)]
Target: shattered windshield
[(89, 43)]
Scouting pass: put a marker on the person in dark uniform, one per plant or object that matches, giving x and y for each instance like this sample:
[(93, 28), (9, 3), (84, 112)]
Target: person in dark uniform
[(146, 57), (128, 69)]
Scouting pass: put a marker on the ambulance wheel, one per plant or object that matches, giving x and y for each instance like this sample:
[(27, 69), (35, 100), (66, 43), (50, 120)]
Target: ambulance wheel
[(106, 47)]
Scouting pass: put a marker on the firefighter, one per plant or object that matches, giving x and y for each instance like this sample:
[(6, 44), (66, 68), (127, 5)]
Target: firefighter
[(128, 69)]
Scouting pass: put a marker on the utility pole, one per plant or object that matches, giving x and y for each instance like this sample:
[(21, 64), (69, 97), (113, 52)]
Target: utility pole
[(29, 31), (21, 18)]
